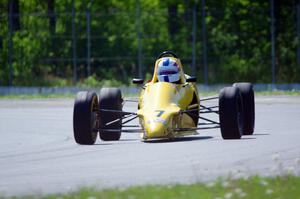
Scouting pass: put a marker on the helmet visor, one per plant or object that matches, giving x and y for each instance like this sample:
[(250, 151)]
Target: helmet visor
[(167, 72)]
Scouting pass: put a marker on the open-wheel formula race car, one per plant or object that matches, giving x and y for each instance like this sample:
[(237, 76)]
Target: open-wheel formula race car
[(168, 107)]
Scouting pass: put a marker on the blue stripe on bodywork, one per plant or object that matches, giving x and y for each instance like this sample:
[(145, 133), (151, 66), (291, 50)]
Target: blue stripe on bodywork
[(166, 78), (166, 62)]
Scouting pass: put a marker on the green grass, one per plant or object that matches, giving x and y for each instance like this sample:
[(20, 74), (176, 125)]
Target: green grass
[(38, 96), (261, 93), (202, 94), (270, 93), (49, 96), (254, 187)]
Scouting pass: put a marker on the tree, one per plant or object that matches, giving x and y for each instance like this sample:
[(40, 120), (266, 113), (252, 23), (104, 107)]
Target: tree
[(51, 15), (13, 10)]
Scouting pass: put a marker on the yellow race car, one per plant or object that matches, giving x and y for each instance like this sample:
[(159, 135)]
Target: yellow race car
[(168, 107)]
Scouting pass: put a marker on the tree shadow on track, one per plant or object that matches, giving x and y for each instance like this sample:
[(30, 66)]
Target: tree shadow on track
[(182, 139)]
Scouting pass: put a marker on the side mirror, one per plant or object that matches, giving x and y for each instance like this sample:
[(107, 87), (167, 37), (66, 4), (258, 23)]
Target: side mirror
[(138, 81), (191, 79)]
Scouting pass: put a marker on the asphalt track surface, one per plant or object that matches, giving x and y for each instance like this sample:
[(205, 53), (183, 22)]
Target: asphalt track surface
[(38, 154)]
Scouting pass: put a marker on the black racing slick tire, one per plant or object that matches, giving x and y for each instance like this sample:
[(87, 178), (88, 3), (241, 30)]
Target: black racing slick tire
[(247, 93), (110, 98), (231, 113), (85, 120)]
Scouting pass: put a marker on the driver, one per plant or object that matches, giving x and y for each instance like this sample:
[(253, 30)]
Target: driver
[(168, 70)]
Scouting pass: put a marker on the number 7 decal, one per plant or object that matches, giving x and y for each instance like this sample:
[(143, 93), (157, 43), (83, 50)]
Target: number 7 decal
[(160, 112)]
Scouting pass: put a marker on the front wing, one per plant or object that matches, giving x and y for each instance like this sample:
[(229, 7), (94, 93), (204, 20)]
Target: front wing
[(126, 117)]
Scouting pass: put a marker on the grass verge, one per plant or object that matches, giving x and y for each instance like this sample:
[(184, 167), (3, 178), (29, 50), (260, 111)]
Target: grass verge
[(270, 93), (38, 96), (202, 94), (253, 187)]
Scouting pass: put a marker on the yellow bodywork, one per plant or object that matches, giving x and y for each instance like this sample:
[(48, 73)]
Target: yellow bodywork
[(160, 104)]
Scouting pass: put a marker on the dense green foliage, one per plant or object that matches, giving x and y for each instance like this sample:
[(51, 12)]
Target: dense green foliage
[(238, 40), (255, 187)]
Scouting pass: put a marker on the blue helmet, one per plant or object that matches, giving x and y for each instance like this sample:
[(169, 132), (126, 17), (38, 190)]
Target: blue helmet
[(168, 70)]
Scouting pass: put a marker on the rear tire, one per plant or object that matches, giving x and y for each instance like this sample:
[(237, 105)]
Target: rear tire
[(85, 121), (231, 113), (247, 93), (110, 98)]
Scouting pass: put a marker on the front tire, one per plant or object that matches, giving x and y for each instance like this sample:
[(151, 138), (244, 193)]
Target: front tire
[(85, 120), (231, 113), (247, 94), (110, 98)]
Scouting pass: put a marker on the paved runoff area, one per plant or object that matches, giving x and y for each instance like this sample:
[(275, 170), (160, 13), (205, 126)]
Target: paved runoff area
[(38, 154)]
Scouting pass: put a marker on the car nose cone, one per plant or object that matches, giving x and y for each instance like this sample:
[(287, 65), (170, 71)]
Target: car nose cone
[(156, 127)]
